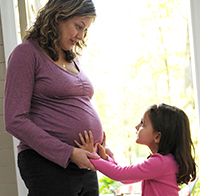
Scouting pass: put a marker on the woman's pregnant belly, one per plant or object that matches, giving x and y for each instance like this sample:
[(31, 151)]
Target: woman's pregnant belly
[(67, 119)]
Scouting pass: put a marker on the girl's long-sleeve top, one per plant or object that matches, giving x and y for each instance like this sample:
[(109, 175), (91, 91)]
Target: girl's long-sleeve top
[(45, 106), (158, 174)]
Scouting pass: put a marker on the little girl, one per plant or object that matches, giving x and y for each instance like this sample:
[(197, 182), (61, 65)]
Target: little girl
[(165, 130)]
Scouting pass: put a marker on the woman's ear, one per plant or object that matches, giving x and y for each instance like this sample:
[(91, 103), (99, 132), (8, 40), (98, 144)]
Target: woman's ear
[(157, 137)]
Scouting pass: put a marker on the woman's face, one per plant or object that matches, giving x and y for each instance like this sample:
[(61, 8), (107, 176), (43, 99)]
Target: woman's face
[(73, 30)]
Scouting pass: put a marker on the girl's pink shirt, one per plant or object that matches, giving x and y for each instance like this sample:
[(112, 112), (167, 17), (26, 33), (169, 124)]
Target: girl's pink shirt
[(158, 174)]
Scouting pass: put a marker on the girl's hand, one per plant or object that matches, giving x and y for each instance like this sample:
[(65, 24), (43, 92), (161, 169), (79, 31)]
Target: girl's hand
[(87, 143), (109, 152), (102, 148)]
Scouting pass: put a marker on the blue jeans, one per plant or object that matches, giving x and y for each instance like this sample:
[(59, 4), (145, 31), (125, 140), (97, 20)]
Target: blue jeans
[(45, 178)]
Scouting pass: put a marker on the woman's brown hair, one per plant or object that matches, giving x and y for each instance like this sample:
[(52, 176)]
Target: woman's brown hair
[(45, 31), (174, 126)]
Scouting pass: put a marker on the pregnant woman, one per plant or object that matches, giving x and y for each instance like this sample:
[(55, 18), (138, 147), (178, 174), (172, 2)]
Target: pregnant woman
[(47, 102)]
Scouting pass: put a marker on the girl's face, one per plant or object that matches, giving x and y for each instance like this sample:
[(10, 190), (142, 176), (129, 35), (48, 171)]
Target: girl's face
[(146, 135), (73, 30)]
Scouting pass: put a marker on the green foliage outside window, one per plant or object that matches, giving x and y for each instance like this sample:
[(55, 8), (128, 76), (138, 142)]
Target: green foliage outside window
[(106, 185), (196, 190)]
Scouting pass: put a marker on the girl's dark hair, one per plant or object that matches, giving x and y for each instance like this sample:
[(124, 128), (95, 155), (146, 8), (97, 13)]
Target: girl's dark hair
[(45, 31), (174, 126)]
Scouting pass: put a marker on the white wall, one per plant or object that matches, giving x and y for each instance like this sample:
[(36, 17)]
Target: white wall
[(10, 39), (194, 26)]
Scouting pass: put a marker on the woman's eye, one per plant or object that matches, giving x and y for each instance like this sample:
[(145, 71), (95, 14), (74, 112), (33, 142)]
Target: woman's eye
[(78, 27)]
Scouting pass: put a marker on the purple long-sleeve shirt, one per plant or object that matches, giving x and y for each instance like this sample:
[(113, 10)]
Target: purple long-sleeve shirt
[(158, 174), (45, 106)]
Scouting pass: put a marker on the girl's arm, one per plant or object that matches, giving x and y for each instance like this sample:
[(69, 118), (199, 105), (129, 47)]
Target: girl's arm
[(153, 168), (105, 160), (110, 168)]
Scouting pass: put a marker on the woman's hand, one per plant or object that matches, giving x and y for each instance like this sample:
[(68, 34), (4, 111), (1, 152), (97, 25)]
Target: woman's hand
[(80, 158)]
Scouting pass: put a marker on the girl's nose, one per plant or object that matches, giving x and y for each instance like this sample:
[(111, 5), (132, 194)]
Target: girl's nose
[(137, 128)]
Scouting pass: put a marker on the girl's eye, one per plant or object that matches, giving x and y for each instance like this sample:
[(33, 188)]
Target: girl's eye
[(142, 123)]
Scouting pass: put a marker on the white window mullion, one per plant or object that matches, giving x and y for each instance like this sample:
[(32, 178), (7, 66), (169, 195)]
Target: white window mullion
[(194, 25), (11, 38)]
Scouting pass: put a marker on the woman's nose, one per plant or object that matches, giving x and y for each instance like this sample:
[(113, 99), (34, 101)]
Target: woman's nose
[(81, 35)]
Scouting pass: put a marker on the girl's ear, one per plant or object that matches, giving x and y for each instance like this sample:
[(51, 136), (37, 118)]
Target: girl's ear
[(157, 137)]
